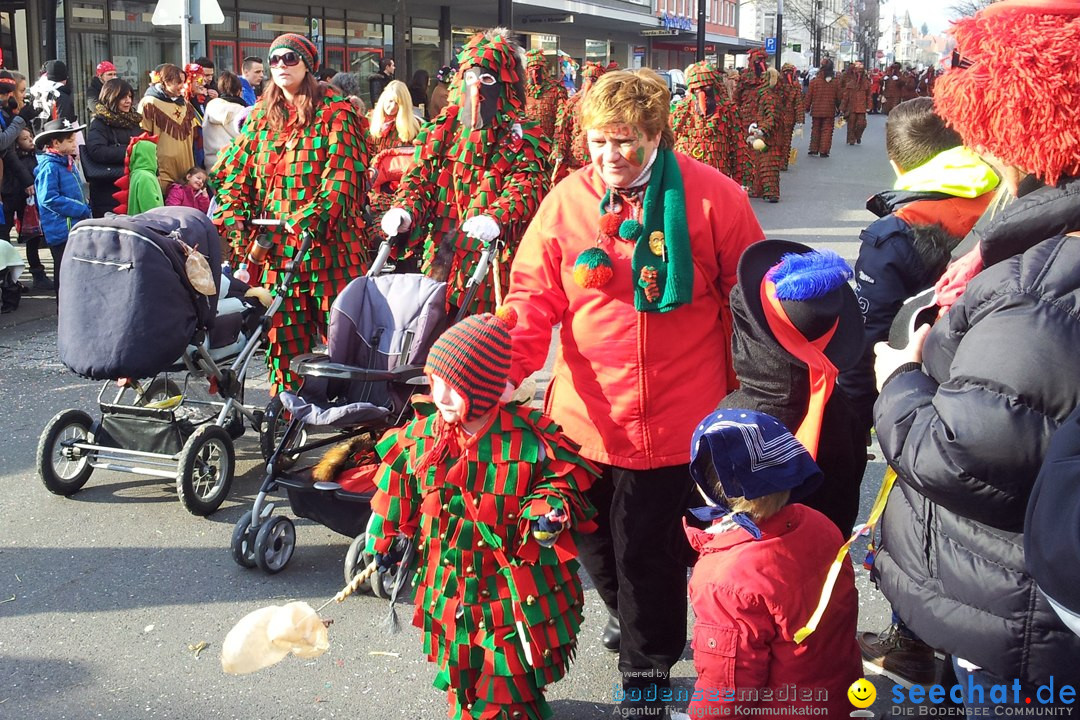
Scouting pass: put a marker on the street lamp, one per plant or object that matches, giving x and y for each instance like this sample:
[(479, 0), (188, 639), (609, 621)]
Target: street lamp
[(779, 32)]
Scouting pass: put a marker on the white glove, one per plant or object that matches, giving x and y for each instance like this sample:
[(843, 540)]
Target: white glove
[(753, 130), (481, 227), (396, 221)]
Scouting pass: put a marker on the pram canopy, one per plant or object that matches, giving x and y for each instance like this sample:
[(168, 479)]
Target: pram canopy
[(127, 307), (377, 323)]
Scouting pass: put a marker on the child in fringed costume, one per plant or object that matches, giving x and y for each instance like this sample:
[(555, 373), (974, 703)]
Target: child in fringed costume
[(491, 495), (705, 123), (543, 96), (570, 149), (313, 177), (480, 171)]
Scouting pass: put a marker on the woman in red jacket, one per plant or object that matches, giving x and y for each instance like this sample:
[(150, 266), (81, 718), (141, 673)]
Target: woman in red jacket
[(639, 285)]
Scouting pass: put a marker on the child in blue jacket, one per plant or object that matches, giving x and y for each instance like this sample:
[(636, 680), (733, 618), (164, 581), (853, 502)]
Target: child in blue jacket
[(59, 193)]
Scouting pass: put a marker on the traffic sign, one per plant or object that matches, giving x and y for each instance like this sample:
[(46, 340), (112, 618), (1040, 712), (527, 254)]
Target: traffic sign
[(201, 12), (770, 45)]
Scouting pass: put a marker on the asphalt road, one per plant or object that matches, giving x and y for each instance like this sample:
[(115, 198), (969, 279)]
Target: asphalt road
[(104, 597)]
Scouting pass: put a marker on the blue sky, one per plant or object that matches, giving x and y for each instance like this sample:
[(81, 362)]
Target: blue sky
[(934, 13)]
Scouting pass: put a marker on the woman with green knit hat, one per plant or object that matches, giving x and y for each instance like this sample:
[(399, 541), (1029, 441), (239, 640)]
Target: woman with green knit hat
[(301, 157), (492, 495)]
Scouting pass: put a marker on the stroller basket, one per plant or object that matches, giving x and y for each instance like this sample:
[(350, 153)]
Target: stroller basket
[(143, 429), (342, 511)]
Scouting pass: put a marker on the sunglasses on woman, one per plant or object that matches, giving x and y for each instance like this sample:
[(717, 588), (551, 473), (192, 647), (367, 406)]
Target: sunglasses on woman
[(287, 59)]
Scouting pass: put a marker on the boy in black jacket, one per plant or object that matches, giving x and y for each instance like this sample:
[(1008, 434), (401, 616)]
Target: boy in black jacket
[(941, 190), (17, 188)]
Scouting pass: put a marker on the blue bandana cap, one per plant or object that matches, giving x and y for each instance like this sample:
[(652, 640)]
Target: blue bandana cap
[(754, 455)]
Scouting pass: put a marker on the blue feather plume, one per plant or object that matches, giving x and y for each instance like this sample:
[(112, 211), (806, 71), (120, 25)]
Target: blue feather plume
[(805, 276)]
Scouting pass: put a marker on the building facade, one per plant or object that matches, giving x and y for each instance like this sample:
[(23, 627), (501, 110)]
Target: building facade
[(354, 35)]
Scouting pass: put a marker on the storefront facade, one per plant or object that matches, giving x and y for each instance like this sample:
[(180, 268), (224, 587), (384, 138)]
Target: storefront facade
[(354, 36)]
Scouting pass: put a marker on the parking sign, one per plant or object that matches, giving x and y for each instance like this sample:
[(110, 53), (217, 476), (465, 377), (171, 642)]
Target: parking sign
[(770, 45)]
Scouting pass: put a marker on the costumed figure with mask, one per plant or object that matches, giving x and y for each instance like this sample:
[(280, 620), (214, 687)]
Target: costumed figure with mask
[(767, 145), (704, 122), (543, 96), (856, 103), (195, 93), (791, 109), (570, 150), (489, 493), (892, 87), (822, 102), (301, 157), (480, 171), (748, 104)]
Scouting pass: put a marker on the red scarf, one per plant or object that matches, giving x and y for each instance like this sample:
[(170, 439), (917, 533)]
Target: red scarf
[(812, 352)]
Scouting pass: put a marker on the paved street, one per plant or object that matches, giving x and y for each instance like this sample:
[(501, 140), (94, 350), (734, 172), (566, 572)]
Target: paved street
[(104, 596)]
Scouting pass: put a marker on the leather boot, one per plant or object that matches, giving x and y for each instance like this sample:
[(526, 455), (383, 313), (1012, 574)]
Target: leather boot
[(612, 635)]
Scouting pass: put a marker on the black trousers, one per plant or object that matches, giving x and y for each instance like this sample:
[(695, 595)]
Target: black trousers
[(637, 559)]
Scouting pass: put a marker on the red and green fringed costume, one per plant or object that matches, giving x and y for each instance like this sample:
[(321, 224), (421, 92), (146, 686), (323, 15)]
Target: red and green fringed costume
[(791, 109), (765, 164), (571, 150), (497, 171), (543, 96), (312, 177), (499, 612), (707, 138)]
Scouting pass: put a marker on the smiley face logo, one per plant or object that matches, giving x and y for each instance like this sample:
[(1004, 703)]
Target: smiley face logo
[(862, 693)]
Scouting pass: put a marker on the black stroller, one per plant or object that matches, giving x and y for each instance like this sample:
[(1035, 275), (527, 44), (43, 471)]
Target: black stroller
[(381, 328), (130, 309)]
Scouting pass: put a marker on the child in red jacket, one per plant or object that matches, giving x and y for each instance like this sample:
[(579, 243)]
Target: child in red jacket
[(192, 193), (761, 574)]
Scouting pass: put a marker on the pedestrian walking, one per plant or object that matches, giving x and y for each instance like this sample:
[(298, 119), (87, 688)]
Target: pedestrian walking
[(855, 103), (499, 598), (822, 102), (301, 158), (638, 285), (481, 175)]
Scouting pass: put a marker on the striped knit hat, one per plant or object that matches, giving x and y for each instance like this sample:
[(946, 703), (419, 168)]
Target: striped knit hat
[(299, 45), (473, 357)]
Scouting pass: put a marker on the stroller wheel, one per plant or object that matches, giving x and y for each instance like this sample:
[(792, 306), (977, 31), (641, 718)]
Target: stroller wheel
[(243, 541), (357, 559), (63, 469), (205, 470), (272, 431), (274, 544)]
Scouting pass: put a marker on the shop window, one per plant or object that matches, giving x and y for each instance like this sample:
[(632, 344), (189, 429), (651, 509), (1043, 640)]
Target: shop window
[(425, 53), (597, 51), (223, 53), (88, 15), (136, 55), (366, 43), (264, 27), (88, 49)]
